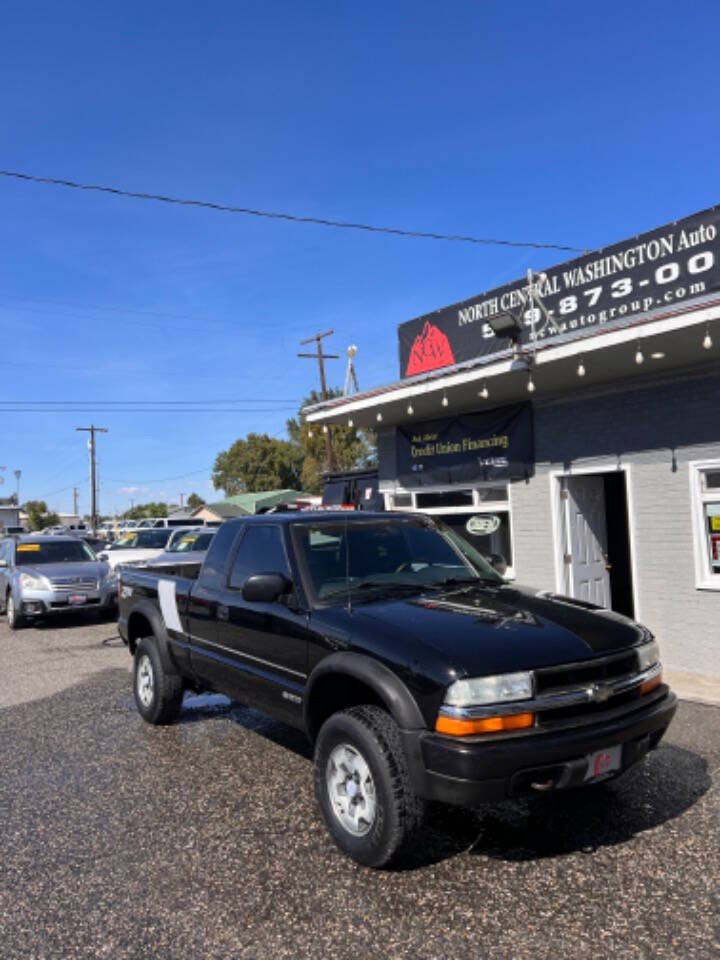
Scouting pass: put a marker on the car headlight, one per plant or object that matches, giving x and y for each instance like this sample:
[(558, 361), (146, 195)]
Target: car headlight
[(31, 582), (478, 691), (648, 655)]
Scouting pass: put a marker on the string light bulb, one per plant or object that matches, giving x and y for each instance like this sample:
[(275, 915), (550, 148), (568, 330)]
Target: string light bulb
[(581, 368), (444, 400), (707, 340), (325, 428), (484, 393), (410, 410), (639, 355), (310, 431), (379, 417), (531, 384), (350, 422)]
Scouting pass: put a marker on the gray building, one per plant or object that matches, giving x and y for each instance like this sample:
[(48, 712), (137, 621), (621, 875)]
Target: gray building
[(587, 453)]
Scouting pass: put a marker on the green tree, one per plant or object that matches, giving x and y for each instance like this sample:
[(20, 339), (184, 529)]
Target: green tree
[(352, 448), (38, 515), (195, 501), (257, 462), (143, 510)]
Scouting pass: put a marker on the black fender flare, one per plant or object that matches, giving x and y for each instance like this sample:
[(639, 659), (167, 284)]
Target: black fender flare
[(150, 612), (381, 679)]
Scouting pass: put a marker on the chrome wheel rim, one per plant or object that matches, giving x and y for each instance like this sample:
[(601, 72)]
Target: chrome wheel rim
[(351, 789), (145, 681)]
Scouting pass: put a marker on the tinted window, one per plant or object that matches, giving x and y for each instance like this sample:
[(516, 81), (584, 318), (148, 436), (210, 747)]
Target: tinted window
[(261, 551), (52, 551)]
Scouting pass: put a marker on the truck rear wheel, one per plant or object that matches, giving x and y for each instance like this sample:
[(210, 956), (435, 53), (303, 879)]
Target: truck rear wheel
[(158, 694), (363, 786)]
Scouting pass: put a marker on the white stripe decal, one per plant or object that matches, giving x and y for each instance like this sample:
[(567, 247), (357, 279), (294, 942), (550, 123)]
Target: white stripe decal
[(168, 605)]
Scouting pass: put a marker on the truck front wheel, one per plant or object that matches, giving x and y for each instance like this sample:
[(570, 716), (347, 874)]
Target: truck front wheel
[(158, 694), (363, 786)]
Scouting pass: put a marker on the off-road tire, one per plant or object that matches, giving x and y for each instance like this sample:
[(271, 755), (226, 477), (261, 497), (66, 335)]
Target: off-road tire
[(15, 620), (158, 694), (399, 812)]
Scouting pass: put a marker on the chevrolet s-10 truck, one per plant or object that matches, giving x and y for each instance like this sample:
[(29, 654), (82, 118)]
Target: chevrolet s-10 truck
[(416, 671)]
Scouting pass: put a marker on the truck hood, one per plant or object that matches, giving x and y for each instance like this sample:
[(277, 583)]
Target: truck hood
[(495, 629)]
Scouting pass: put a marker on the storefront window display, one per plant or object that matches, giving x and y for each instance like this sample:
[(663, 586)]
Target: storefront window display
[(705, 482)]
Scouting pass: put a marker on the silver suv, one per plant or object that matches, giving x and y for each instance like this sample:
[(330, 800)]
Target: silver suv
[(42, 576)]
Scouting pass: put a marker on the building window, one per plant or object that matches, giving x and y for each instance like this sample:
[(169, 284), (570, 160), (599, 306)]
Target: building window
[(705, 492), (482, 514)]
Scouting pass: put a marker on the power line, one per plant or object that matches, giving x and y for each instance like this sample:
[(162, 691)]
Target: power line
[(180, 476), (295, 218)]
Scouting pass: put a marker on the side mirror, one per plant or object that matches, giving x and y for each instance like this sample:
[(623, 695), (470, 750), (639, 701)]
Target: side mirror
[(265, 587), (498, 563), (102, 556)]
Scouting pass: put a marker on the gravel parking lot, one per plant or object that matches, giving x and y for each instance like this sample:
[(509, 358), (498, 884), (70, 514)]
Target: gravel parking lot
[(202, 839)]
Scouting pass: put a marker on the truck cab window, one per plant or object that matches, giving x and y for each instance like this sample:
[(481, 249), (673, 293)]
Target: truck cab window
[(261, 551)]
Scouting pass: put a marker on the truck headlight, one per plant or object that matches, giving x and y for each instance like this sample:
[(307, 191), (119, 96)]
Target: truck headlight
[(479, 691), (31, 582), (648, 655)]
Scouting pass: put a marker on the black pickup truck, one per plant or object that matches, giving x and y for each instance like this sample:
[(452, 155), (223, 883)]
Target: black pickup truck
[(416, 671)]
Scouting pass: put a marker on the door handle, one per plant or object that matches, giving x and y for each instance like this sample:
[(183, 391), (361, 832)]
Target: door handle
[(222, 612)]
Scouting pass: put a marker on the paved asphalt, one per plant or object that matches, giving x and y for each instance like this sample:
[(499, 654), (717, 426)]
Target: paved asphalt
[(202, 840)]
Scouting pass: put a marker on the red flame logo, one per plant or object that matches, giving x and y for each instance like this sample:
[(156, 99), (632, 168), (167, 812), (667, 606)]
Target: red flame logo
[(430, 350)]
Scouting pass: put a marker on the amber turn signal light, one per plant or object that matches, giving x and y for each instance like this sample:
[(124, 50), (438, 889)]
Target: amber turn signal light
[(458, 727), (650, 684)]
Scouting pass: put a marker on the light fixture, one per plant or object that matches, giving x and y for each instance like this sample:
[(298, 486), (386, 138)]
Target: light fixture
[(484, 393), (444, 400), (410, 410), (581, 368), (325, 428), (531, 385), (379, 417), (639, 356), (707, 340), (310, 431), (658, 355), (350, 422), (505, 325)]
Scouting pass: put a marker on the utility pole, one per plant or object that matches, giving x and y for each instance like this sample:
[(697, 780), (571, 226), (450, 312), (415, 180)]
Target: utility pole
[(182, 497), (321, 357), (92, 430), (75, 501), (18, 474)]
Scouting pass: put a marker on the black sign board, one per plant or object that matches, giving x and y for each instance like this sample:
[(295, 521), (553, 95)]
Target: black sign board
[(666, 267), (493, 445)]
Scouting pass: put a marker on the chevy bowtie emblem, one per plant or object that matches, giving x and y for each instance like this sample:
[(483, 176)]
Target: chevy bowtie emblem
[(597, 693)]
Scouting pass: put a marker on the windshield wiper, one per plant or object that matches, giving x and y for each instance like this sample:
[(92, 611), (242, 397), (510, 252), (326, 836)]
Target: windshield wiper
[(465, 581), (384, 586)]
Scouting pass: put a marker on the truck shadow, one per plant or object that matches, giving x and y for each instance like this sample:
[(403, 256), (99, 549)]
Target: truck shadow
[(669, 782)]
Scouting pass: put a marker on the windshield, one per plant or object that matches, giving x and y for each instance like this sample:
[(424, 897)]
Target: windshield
[(52, 551), (191, 541), (400, 554), (142, 540)]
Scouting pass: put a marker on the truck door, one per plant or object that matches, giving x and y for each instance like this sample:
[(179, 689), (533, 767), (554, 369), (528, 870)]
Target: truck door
[(266, 642)]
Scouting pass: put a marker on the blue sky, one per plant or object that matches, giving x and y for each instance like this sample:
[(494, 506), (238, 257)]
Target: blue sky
[(576, 123)]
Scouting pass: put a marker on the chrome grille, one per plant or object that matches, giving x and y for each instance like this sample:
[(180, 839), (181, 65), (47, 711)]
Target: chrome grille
[(73, 585)]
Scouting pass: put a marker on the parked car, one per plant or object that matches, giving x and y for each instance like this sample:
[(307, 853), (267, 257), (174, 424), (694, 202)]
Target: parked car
[(43, 576), (185, 546), (136, 545), (418, 673)]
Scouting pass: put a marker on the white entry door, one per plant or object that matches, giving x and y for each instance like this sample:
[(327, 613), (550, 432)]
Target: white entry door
[(587, 527)]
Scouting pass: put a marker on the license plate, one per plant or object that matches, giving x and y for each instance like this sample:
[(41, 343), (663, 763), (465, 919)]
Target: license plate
[(603, 763), (77, 598)]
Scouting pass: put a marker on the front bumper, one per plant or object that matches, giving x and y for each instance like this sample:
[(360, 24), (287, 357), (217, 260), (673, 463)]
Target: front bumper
[(487, 769), (43, 603)]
